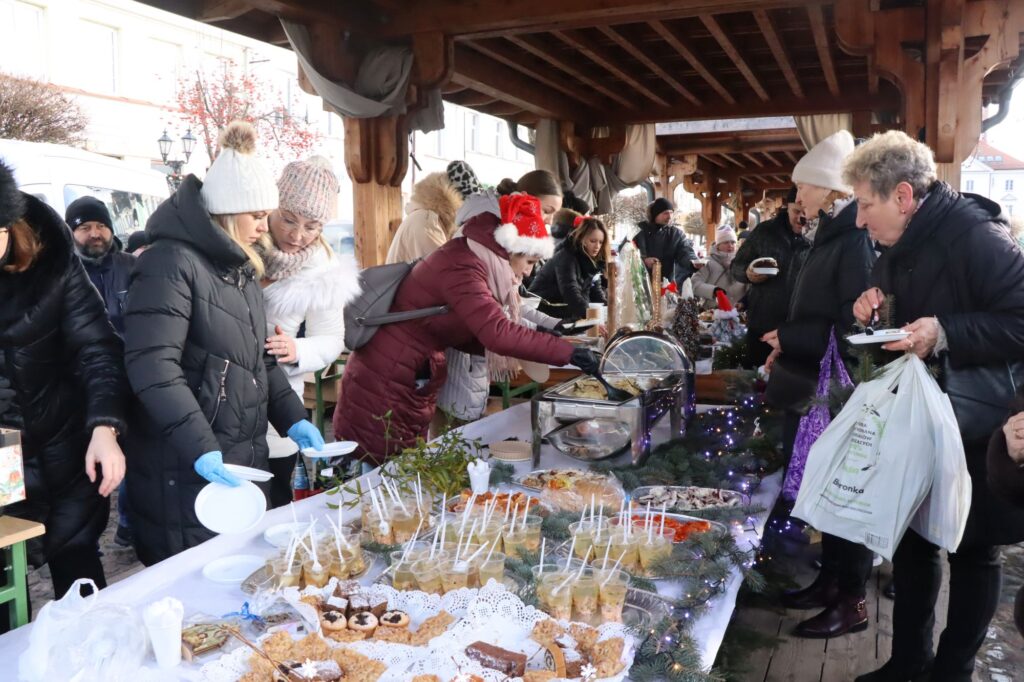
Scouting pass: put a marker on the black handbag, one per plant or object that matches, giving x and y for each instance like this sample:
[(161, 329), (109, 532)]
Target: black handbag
[(981, 395)]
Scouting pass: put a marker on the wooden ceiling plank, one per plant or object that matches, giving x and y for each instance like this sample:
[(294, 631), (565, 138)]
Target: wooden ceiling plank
[(817, 18), (490, 78), (732, 160), (727, 45), (791, 156), (576, 93), (608, 65), (555, 61), (212, 11), (686, 53), (472, 19), (767, 155), (771, 35), (753, 159), (717, 162), (640, 56)]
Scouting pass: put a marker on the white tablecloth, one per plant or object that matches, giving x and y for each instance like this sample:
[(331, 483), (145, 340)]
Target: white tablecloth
[(181, 575)]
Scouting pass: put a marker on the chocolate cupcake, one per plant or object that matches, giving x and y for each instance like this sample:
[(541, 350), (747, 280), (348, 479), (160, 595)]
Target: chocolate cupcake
[(332, 621)]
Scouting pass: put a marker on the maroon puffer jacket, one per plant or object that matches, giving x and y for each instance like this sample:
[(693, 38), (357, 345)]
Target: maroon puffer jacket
[(381, 376)]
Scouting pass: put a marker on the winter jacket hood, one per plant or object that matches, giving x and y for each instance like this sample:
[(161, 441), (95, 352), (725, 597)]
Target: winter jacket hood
[(184, 218), (435, 193), (481, 202)]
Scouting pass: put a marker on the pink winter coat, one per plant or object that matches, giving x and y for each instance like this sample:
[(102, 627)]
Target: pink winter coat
[(401, 369)]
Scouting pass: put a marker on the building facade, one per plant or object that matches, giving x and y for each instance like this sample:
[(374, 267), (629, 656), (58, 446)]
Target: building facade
[(995, 174), (122, 62)]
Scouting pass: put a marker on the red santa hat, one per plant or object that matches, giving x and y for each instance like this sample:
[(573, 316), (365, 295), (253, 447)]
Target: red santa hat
[(522, 228), (723, 301)]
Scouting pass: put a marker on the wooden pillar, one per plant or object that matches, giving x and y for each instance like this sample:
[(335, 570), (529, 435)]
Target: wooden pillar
[(376, 156)]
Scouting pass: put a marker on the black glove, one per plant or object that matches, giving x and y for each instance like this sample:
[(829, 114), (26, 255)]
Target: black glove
[(553, 332), (6, 395), (585, 359)]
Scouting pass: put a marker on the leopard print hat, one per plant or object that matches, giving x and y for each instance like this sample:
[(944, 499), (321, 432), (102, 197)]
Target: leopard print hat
[(463, 178)]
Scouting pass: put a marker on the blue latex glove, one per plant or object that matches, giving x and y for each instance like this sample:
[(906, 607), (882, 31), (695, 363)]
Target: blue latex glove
[(211, 467), (306, 435)]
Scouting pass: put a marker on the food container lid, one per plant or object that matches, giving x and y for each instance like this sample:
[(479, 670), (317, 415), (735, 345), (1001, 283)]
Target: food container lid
[(639, 352)]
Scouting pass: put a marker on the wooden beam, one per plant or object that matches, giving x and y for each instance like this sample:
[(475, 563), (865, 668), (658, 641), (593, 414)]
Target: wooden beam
[(731, 142), (554, 60), (640, 56), (472, 19), (791, 156), (686, 53), (212, 11), (771, 158), (753, 159), (712, 159), (540, 75), (817, 18), (471, 98), (764, 21), (732, 160), (819, 103), (475, 71), (716, 31), (755, 172), (433, 58), (608, 64)]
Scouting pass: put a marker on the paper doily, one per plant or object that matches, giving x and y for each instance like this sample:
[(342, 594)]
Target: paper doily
[(492, 611)]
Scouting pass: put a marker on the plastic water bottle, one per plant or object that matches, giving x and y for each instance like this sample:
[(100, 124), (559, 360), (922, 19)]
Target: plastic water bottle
[(301, 488)]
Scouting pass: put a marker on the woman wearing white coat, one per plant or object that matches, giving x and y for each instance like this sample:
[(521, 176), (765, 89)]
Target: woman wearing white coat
[(717, 274), (305, 288)]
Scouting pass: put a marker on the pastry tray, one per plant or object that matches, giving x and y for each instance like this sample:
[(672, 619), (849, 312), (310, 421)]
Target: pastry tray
[(260, 579)]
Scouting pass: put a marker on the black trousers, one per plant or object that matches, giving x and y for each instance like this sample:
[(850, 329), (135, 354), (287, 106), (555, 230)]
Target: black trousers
[(757, 350), (281, 483), (975, 579), (849, 562)]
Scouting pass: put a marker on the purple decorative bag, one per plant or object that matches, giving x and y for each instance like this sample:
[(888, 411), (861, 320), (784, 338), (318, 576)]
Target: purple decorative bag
[(817, 419)]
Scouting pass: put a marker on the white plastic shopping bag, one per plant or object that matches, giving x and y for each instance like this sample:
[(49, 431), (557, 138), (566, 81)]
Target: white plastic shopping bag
[(942, 517), (79, 639), (874, 465)]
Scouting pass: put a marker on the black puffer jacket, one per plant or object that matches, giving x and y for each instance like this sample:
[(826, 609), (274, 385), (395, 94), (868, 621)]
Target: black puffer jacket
[(768, 302), (834, 275), (668, 244), (64, 361), (571, 278), (195, 331), (958, 262), (110, 276)]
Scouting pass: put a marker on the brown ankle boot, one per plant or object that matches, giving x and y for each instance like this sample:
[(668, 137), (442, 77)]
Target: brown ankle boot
[(848, 614), (818, 595)]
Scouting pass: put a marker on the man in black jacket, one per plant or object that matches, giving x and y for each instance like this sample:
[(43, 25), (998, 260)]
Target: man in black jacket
[(660, 240), (780, 238), (108, 267)]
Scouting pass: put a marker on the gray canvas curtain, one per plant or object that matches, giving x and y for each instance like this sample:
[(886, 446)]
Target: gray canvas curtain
[(380, 87), (813, 129), (594, 182)]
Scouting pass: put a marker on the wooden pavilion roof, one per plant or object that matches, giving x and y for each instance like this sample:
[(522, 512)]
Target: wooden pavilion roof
[(615, 62)]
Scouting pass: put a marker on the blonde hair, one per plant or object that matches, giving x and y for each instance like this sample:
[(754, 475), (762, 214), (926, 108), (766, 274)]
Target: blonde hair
[(889, 158), (228, 224)]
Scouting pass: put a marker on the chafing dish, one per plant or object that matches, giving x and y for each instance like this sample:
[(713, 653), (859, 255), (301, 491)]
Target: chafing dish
[(655, 362)]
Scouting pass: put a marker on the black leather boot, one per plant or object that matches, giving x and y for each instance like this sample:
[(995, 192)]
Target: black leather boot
[(818, 595), (894, 671), (847, 614)]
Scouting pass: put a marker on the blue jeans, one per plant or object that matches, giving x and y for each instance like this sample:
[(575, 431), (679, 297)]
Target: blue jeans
[(122, 504)]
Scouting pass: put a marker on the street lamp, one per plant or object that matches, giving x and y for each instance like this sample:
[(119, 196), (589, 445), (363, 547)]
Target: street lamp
[(165, 143)]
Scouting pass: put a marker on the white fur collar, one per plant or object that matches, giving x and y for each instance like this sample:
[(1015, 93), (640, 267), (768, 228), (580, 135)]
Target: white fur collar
[(326, 283)]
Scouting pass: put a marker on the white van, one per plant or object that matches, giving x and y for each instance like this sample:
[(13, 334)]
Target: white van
[(58, 175)]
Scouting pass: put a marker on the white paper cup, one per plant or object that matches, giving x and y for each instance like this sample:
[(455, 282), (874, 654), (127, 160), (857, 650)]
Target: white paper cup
[(163, 625)]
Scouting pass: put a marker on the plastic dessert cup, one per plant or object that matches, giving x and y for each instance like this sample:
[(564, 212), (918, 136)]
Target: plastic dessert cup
[(428, 575), (584, 595), (454, 574), (493, 568), (612, 587), (315, 573), (653, 549)]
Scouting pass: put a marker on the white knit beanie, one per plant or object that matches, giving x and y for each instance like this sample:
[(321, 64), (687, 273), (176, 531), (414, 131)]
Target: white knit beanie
[(238, 182), (823, 165), (725, 234)]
